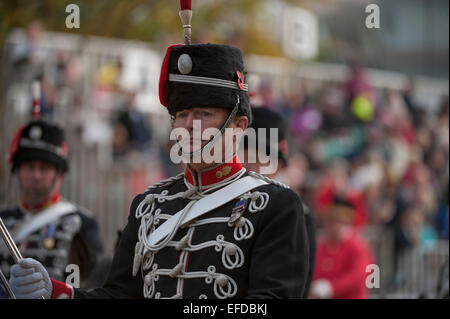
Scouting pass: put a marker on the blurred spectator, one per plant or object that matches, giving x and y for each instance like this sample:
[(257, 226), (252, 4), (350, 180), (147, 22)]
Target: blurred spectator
[(413, 230), (120, 141), (357, 82), (136, 126), (335, 182), (27, 52), (342, 256), (306, 121), (442, 217), (332, 102), (410, 104), (359, 93)]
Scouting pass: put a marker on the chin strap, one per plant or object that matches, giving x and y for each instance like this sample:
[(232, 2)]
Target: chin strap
[(208, 146)]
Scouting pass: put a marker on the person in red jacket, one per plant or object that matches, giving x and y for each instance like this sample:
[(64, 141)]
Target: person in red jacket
[(342, 257), (335, 184)]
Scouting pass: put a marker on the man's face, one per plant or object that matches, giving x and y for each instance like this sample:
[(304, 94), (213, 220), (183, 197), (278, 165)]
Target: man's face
[(338, 222), (335, 228), (196, 127), (198, 120), (38, 181)]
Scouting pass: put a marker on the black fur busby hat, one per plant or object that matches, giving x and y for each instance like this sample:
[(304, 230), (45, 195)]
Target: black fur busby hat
[(39, 140), (204, 75), (266, 118)]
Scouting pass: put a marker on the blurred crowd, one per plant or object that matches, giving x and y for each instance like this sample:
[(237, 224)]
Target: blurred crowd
[(380, 148), (86, 93)]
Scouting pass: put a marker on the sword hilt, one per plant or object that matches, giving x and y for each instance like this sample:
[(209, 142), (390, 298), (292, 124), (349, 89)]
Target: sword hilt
[(9, 242), (15, 253)]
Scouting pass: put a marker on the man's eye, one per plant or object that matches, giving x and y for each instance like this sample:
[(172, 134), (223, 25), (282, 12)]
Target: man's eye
[(206, 114), (181, 115)]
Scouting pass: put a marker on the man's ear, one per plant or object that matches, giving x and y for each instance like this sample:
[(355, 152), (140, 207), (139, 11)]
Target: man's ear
[(241, 122), (61, 173)]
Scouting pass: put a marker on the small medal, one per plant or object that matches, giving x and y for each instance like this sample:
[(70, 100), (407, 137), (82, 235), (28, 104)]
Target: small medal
[(238, 210), (49, 243), (48, 236)]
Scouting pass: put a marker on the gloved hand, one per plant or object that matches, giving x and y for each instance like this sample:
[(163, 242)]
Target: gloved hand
[(30, 280)]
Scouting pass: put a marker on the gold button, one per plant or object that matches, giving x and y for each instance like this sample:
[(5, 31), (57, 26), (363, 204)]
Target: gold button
[(226, 170), (219, 174)]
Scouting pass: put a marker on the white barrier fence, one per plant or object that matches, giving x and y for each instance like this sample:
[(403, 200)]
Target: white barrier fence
[(414, 272)]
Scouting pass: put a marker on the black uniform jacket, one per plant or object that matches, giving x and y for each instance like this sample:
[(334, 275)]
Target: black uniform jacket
[(263, 253)]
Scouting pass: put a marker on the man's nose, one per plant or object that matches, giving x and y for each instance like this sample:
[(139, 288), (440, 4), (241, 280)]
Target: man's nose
[(36, 173), (192, 122), (189, 121)]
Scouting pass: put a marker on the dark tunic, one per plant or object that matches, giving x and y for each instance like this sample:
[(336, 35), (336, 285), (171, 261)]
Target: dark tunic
[(265, 254)]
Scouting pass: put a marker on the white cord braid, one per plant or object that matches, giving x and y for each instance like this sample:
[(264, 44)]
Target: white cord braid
[(150, 217)]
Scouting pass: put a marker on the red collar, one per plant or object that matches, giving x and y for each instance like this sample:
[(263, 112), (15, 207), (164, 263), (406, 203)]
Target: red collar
[(212, 175), (40, 206)]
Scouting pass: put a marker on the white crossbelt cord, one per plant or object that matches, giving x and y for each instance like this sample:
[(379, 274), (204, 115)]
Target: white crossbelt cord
[(45, 217)]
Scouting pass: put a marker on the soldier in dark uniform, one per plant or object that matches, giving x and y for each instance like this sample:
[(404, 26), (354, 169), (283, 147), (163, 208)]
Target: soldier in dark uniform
[(45, 226), (277, 151), (214, 231)]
